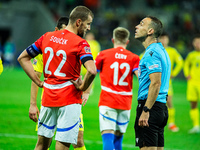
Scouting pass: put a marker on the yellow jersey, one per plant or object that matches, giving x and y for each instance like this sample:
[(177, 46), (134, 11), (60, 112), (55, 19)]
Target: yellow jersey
[(38, 66), (192, 66), (1, 66), (38, 63), (95, 47), (176, 61)]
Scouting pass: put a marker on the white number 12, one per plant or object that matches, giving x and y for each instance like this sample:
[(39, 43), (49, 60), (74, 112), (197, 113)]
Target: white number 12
[(116, 67)]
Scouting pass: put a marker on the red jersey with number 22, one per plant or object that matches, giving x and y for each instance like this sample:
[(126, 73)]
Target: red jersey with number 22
[(116, 66), (62, 54)]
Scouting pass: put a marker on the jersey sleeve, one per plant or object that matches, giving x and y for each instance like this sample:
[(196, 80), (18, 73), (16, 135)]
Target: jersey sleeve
[(1, 66), (99, 62), (38, 63), (178, 64), (34, 49), (152, 62), (136, 63), (85, 53), (186, 66)]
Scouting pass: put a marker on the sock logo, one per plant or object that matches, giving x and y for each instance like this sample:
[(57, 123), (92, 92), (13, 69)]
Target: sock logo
[(137, 139)]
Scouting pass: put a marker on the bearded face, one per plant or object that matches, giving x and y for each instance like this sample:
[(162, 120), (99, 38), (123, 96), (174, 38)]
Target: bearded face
[(82, 30), (84, 26)]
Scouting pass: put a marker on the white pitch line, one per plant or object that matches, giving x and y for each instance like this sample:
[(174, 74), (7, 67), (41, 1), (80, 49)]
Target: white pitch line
[(18, 136), (100, 143), (23, 136)]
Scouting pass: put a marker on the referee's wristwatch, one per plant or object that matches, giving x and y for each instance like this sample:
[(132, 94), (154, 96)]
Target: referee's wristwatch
[(146, 109)]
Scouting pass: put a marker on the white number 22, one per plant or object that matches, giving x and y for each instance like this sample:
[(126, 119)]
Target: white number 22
[(57, 72), (116, 67)]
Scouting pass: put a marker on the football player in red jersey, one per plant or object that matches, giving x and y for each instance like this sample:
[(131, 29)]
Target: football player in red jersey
[(63, 52), (33, 109), (117, 67)]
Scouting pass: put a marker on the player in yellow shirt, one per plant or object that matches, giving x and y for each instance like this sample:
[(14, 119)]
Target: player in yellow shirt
[(38, 67), (192, 73), (1, 66), (141, 55), (95, 48), (176, 66)]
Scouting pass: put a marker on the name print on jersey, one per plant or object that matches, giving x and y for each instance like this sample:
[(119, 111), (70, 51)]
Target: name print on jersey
[(120, 56), (58, 40)]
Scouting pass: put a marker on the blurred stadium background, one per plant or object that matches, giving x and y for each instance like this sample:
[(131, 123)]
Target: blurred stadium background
[(26, 20)]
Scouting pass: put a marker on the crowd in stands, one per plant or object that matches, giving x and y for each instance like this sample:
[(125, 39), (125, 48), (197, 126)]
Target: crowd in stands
[(181, 19)]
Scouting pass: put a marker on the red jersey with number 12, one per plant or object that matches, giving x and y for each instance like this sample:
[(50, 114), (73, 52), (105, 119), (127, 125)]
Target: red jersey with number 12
[(116, 68), (62, 54)]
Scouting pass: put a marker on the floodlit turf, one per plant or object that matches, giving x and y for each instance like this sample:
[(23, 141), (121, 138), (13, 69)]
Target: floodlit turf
[(17, 130)]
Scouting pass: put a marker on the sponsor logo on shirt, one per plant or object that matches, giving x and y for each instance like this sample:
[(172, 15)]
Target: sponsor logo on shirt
[(153, 66), (87, 49)]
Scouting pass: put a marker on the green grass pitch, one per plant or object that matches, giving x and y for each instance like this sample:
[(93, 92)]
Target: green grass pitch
[(17, 130)]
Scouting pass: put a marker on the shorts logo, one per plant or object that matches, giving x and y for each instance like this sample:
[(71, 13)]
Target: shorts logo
[(153, 66), (87, 49)]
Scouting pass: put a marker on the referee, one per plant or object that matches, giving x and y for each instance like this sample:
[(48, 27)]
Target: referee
[(154, 75)]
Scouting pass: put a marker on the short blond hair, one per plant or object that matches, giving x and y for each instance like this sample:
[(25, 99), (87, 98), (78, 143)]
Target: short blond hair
[(121, 35)]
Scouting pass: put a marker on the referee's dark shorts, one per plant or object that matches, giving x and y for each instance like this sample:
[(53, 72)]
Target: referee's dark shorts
[(152, 136)]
